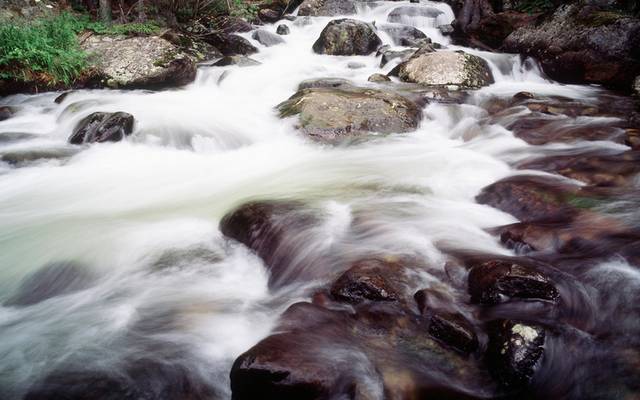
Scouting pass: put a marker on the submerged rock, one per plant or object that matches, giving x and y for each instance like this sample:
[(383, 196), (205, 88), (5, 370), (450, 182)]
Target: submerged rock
[(266, 38), (324, 83), (139, 62), (389, 55), (54, 279), (102, 127), (27, 156), (583, 45), (326, 8), (347, 37), (445, 68), (333, 114), (514, 352), (491, 281), (454, 330)]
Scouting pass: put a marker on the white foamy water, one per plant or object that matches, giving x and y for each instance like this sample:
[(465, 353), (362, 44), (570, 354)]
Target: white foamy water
[(119, 208)]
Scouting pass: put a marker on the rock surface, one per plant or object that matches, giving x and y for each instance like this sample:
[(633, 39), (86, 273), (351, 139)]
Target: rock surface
[(514, 351), (282, 30), (230, 44), (347, 37), (139, 62), (102, 127), (445, 68), (491, 282), (403, 13), (334, 114), (583, 45), (368, 280), (403, 35)]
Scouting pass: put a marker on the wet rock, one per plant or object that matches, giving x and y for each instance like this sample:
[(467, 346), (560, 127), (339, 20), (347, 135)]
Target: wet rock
[(378, 78), (102, 127), (492, 29), (492, 281), (298, 364), (514, 352), (333, 114), (388, 55), (230, 44), (52, 280), (269, 16), (139, 62), (403, 13), (445, 68), (368, 280), (266, 38), (531, 198), (282, 30), (583, 46), (5, 113), (326, 8), (403, 35), (25, 157), (347, 37), (636, 86), (240, 61), (274, 230), (324, 83), (304, 21), (454, 330)]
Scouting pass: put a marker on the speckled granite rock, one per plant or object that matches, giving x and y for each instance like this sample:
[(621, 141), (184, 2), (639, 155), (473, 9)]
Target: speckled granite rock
[(139, 62)]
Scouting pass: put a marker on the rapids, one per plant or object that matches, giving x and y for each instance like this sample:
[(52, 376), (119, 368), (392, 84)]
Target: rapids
[(136, 222)]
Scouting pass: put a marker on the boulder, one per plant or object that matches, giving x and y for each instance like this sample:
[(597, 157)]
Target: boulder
[(240, 61), (403, 35), (333, 114), (404, 14), (454, 330), (282, 29), (326, 8), (230, 44), (266, 38), (388, 55), (378, 78), (369, 280), (102, 127), (514, 351), (583, 45), (229, 24), (347, 37), (147, 62), (493, 29), (491, 282), (445, 68)]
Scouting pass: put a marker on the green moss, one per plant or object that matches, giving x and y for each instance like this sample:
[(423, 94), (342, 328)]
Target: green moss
[(601, 18)]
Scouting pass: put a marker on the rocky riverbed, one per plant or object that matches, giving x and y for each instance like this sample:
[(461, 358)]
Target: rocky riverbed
[(351, 200)]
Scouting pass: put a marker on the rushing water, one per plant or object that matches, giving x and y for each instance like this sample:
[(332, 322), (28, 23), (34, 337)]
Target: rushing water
[(136, 222)]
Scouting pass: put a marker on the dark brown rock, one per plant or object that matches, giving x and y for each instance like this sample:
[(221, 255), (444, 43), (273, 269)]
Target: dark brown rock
[(102, 127), (269, 16), (491, 281), (5, 113), (514, 352), (368, 280), (454, 330)]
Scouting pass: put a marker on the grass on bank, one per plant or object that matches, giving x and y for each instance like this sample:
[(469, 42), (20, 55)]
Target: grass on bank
[(47, 50)]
